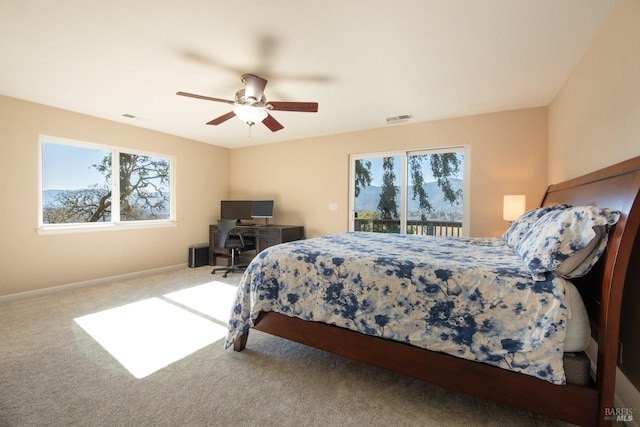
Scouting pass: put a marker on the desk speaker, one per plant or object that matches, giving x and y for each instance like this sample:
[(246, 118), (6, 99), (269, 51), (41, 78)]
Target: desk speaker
[(198, 255)]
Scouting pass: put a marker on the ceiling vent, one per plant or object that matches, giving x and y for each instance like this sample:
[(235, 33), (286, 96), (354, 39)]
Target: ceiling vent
[(398, 119)]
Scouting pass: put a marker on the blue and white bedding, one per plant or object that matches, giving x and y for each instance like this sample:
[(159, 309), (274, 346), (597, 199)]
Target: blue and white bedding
[(473, 298)]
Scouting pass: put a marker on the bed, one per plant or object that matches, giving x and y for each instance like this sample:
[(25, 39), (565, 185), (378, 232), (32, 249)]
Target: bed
[(465, 335)]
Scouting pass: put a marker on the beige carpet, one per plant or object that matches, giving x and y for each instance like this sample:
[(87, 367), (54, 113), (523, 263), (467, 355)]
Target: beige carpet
[(54, 373)]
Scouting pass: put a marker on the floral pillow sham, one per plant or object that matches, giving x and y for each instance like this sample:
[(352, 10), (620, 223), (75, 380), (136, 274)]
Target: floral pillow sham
[(525, 222), (575, 235)]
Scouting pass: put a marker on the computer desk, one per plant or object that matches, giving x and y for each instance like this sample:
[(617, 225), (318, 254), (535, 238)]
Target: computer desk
[(263, 236)]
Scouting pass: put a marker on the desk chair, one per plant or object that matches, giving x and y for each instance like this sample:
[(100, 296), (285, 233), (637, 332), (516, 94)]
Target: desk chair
[(232, 240)]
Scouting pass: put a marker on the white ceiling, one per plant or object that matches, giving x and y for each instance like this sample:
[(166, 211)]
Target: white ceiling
[(361, 60)]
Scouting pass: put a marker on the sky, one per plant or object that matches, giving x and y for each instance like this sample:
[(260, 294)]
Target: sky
[(376, 170), (67, 167)]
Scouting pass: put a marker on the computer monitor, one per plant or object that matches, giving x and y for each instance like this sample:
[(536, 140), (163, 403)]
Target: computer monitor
[(262, 209), (236, 209)]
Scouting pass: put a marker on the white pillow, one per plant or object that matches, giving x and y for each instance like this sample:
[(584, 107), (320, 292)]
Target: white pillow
[(578, 330)]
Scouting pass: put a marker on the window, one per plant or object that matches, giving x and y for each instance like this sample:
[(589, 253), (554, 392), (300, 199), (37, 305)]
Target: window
[(414, 192), (78, 183)]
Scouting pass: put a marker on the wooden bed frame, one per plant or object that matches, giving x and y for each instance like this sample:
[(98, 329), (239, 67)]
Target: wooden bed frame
[(614, 187)]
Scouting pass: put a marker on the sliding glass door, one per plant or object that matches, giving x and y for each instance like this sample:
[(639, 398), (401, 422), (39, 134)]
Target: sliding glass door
[(415, 192)]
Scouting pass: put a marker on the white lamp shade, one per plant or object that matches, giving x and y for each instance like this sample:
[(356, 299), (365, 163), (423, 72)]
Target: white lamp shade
[(513, 207), (250, 115)]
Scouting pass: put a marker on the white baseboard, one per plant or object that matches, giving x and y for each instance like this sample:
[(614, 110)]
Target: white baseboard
[(53, 289)]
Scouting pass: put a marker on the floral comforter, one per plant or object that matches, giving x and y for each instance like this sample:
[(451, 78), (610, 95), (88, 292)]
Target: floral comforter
[(469, 297)]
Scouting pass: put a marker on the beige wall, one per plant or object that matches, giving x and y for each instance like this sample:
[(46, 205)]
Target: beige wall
[(302, 176), (594, 120), (31, 261), (508, 156)]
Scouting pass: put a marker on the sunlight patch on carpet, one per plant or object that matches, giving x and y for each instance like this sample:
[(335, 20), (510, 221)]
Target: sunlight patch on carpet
[(214, 299), (149, 335)]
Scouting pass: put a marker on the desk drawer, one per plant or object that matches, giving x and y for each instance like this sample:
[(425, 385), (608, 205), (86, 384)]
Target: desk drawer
[(264, 243), (267, 232)]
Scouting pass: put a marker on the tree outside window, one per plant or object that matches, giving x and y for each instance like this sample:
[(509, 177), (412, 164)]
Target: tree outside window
[(78, 184), (432, 193)]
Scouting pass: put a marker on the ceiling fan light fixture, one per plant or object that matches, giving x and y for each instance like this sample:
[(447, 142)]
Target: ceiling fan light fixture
[(249, 114), (251, 105)]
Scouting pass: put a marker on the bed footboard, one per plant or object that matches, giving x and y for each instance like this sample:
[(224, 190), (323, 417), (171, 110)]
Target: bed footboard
[(572, 403)]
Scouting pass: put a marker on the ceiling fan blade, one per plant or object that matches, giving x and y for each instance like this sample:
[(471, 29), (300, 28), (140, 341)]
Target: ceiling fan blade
[(207, 98), (272, 123), (306, 107), (254, 86), (222, 118)]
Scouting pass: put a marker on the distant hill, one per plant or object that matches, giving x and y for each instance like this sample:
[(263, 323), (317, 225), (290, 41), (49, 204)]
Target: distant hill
[(369, 196), (49, 196)]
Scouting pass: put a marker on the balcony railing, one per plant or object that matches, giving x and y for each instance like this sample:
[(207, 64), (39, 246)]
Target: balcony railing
[(430, 228)]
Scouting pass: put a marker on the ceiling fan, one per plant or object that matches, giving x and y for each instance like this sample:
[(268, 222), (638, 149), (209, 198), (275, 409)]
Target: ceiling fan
[(251, 106)]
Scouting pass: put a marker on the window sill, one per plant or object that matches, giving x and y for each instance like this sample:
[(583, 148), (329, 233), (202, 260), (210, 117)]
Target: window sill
[(94, 227)]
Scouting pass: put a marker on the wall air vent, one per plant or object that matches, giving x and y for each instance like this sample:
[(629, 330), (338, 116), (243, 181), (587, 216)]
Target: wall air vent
[(398, 119)]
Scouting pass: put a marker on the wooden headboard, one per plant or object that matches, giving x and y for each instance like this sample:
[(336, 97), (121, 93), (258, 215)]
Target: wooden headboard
[(614, 187)]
